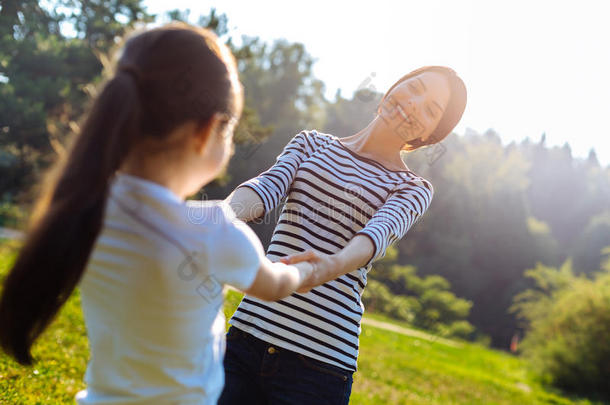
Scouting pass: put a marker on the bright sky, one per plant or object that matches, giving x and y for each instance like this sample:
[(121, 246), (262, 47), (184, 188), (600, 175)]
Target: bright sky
[(529, 66)]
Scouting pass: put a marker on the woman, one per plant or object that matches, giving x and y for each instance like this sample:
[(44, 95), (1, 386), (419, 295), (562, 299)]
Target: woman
[(115, 216), (347, 200)]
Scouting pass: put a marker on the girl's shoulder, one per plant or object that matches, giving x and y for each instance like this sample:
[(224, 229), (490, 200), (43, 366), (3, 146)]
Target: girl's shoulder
[(210, 212), (232, 250)]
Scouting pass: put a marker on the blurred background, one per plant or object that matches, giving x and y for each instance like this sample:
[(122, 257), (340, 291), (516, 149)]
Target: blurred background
[(514, 250)]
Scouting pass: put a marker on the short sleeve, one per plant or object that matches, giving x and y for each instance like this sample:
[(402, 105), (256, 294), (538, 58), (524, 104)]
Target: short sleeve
[(236, 252), (403, 207), (273, 184)]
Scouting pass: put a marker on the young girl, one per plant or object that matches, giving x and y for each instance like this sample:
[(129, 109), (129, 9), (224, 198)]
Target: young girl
[(114, 217)]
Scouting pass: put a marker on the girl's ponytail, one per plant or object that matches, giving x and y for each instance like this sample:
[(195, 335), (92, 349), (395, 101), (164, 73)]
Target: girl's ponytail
[(68, 218), (166, 77)]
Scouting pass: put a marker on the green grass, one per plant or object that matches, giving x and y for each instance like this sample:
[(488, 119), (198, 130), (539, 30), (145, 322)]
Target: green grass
[(392, 368), (398, 369), (63, 354)]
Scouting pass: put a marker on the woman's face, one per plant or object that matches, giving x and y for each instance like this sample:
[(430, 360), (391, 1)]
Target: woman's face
[(414, 108)]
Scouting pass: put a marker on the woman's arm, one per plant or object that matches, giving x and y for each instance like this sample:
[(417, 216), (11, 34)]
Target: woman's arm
[(263, 193), (391, 222), (246, 203), (357, 253)]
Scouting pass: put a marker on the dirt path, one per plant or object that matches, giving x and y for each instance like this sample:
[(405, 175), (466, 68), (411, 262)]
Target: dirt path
[(409, 332), (6, 233)]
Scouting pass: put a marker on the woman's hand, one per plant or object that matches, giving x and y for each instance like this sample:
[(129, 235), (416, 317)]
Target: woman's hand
[(325, 268), (306, 270), (354, 255)]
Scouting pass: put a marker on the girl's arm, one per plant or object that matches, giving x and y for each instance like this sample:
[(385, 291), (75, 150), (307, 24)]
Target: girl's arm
[(275, 281), (236, 257)]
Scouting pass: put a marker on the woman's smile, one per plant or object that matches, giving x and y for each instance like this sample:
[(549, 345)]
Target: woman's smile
[(414, 108)]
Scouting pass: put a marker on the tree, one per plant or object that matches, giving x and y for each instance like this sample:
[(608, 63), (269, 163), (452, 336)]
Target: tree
[(47, 76), (588, 245), (345, 117), (426, 303), (568, 327)]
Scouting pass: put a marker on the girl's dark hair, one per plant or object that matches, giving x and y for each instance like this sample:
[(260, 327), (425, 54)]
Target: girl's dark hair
[(165, 77), (453, 112)]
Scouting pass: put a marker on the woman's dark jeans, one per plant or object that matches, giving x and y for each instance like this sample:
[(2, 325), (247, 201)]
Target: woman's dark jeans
[(257, 372)]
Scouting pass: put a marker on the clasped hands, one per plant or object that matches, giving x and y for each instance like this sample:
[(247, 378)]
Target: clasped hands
[(325, 268)]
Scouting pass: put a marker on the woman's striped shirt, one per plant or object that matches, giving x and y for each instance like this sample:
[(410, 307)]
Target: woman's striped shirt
[(332, 194)]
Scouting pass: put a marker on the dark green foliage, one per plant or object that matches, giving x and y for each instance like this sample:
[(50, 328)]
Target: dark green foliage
[(46, 76), (11, 216), (426, 303), (568, 320)]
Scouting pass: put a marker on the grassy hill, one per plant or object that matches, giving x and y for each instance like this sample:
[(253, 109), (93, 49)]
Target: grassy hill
[(393, 368)]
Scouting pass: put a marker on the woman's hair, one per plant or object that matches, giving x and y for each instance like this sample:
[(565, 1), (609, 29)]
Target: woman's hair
[(453, 112), (165, 77)]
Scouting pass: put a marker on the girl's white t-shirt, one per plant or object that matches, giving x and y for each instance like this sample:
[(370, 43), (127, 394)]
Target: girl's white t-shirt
[(152, 295)]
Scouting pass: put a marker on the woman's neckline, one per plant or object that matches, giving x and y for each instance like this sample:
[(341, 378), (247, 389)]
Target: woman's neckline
[(373, 161)]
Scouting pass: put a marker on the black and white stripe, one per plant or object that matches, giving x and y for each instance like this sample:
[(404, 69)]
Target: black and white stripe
[(331, 194)]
